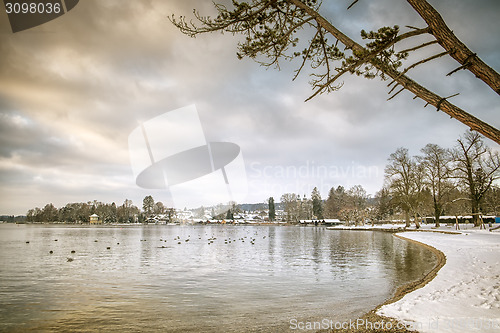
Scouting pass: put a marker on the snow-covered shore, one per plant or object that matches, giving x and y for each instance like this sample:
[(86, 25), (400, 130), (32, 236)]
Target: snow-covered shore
[(465, 294)]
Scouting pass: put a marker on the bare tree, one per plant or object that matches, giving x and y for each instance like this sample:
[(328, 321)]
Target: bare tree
[(492, 201), (436, 162), (290, 202), (272, 27), (404, 177), (476, 168), (126, 211), (357, 204), (422, 197)]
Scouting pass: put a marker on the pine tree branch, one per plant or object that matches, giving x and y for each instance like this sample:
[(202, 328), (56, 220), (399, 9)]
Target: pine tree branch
[(265, 23), (396, 94), (420, 63), (412, 86), (278, 52), (420, 46), (352, 4), (464, 66), (438, 106), (364, 59), (305, 56), (323, 47), (458, 50), (416, 32)]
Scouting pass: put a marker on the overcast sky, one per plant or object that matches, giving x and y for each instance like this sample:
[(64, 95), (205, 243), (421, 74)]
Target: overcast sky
[(73, 89)]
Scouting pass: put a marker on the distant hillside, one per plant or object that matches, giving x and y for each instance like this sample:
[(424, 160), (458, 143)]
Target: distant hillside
[(258, 206), (12, 218)]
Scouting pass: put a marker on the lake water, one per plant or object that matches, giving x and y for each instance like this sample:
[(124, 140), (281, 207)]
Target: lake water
[(139, 278)]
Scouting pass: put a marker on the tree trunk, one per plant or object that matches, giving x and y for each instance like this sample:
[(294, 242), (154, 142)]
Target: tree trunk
[(437, 212), (417, 223), (475, 212), (407, 218), (458, 50), (431, 98)]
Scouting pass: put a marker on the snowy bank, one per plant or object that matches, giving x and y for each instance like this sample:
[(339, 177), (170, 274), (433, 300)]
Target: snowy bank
[(368, 227), (465, 294)]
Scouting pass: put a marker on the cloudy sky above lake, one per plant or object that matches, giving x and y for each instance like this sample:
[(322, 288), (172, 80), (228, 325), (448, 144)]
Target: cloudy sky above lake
[(73, 89)]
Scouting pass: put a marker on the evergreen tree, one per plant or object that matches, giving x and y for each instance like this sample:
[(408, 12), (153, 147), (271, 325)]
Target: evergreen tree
[(383, 207), (335, 203), (272, 211), (49, 213), (291, 208), (148, 205), (317, 204)]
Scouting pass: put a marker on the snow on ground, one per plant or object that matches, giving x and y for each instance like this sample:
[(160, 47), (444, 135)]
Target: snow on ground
[(465, 294), (369, 226)]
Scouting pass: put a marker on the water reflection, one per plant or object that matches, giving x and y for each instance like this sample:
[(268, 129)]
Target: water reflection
[(195, 278)]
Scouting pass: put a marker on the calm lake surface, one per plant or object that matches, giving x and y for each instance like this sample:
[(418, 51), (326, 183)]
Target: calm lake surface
[(146, 281)]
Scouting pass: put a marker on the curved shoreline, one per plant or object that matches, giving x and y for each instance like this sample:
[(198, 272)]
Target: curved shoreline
[(391, 324)]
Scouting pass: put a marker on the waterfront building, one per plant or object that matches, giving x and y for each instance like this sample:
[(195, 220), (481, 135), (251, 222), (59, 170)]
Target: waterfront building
[(94, 219)]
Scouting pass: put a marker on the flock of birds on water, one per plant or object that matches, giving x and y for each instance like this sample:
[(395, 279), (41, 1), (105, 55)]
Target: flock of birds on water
[(177, 239)]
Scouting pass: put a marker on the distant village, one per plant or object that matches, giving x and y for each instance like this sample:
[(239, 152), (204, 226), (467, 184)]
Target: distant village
[(97, 213)]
